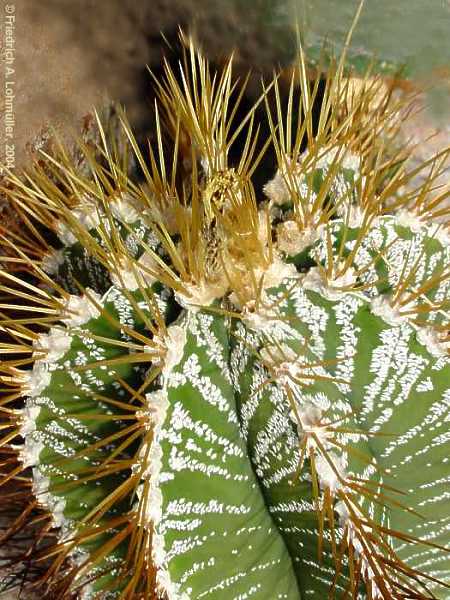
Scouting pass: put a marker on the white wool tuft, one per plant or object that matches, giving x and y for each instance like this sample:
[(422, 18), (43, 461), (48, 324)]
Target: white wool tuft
[(86, 214), (80, 309), (407, 218), (54, 504), (202, 294), (52, 261), (431, 339), (352, 535), (124, 208), (327, 475), (175, 344), (391, 315), (54, 344), (28, 419), (291, 240), (316, 281), (37, 379), (30, 451), (313, 424), (131, 275)]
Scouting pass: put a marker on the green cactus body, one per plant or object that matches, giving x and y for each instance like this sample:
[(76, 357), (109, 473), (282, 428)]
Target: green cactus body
[(252, 401)]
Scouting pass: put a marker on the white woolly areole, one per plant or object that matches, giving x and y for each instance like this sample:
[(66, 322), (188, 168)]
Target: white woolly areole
[(332, 289), (392, 315), (312, 424), (80, 309), (175, 342), (65, 234), (406, 218), (352, 214), (202, 294), (291, 240), (276, 272), (131, 275), (328, 474), (86, 214), (276, 189), (431, 339), (269, 276), (277, 354), (52, 261), (54, 504), (263, 319), (31, 449), (53, 344), (86, 592), (443, 235), (156, 407), (36, 380), (124, 208), (346, 159), (155, 410), (288, 368), (28, 418)]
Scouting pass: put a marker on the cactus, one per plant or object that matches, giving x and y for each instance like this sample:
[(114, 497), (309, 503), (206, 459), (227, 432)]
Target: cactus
[(214, 395)]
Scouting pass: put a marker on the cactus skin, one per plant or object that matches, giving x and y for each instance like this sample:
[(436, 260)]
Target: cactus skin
[(231, 399)]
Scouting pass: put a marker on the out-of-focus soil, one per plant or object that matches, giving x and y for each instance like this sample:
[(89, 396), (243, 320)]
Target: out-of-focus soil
[(72, 55)]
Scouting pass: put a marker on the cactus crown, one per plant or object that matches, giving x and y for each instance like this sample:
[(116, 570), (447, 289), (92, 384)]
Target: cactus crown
[(213, 393)]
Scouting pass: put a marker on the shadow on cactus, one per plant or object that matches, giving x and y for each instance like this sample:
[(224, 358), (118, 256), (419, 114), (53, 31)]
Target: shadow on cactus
[(214, 395)]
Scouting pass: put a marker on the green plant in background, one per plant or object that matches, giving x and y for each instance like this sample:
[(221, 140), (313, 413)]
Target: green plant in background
[(408, 39), (215, 395)]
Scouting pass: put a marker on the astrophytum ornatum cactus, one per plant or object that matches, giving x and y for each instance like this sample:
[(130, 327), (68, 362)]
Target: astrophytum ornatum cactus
[(217, 393)]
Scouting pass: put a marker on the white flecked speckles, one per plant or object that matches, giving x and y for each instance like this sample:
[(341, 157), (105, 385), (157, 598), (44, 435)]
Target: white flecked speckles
[(81, 309), (52, 345)]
